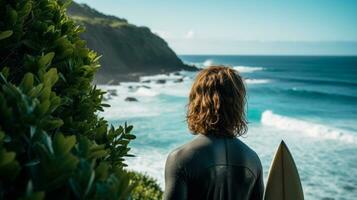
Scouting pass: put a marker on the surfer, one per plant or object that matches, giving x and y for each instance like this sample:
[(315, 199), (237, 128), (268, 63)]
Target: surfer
[(215, 164)]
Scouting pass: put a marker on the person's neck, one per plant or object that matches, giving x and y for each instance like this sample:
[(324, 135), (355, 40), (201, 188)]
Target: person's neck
[(219, 134)]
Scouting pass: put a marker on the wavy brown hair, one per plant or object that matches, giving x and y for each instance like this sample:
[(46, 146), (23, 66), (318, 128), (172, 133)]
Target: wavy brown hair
[(216, 103)]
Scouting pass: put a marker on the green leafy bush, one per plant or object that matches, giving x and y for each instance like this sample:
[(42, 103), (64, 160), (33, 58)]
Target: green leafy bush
[(147, 188), (53, 144)]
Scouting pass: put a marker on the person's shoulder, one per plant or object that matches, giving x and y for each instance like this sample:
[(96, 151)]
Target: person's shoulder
[(175, 159), (248, 151), (244, 146), (175, 154), (186, 151)]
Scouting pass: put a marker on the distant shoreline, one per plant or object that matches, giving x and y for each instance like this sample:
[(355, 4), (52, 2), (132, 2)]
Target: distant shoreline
[(116, 79)]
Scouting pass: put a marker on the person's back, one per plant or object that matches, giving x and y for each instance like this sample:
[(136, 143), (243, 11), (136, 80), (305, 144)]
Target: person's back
[(215, 165)]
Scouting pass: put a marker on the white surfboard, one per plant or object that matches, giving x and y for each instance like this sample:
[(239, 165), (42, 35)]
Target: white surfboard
[(283, 179)]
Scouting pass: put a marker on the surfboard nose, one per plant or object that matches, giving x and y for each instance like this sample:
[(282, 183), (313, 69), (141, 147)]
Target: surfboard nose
[(283, 179)]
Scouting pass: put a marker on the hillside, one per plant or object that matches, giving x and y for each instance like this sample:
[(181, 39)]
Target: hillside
[(128, 51)]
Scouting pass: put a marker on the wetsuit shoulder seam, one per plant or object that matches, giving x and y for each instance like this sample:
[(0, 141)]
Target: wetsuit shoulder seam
[(255, 175)]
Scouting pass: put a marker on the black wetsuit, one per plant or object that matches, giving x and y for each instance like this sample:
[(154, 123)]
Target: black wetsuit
[(213, 167)]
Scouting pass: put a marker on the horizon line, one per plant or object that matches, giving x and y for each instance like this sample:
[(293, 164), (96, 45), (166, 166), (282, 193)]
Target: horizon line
[(310, 55)]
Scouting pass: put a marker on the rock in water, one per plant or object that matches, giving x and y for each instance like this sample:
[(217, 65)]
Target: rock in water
[(131, 99), (178, 80), (113, 92), (161, 81), (145, 86)]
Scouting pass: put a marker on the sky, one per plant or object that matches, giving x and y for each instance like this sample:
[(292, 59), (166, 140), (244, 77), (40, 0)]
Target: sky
[(270, 27)]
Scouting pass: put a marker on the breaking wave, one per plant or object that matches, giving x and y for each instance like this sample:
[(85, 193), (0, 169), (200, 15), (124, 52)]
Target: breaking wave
[(246, 69), (308, 128)]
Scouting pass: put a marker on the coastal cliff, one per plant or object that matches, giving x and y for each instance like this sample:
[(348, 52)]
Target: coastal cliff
[(128, 51)]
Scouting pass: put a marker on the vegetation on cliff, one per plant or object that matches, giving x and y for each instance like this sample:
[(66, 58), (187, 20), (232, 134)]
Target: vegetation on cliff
[(128, 50), (147, 188)]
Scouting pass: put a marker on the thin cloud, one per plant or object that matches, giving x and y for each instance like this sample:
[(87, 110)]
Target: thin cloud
[(190, 34)]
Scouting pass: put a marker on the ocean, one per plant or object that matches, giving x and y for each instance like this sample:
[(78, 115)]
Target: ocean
[(310, 102)]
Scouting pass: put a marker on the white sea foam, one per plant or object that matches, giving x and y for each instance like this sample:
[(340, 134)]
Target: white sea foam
[(152, 163), (257, 81), (170, 76), (204, 64), (142, 91), (246, 69), (121, 109), (208, 63), (125, 110), (147, 95), (308, 128)]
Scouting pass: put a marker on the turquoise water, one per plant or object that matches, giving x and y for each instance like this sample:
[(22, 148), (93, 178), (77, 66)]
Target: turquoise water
[(309, 102)]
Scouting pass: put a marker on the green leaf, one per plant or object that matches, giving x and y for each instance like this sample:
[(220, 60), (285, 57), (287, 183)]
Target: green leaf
[(45, 93), (42, 108), (120, 130), (62, 77), (27, 82), (34, 92), (102, 171), (11, 15), (97, 147), (46, 59), (50, 77), (9, 167), (55, 102), (26, 9), (128, 129), (7, 157), (98, 154), (66, 3), (129, 136), (5, 34), (52, 124), (105, 105), (32, 163), (33, 130), (62, 145), (5, 72), (90, 183), (66, 53)]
